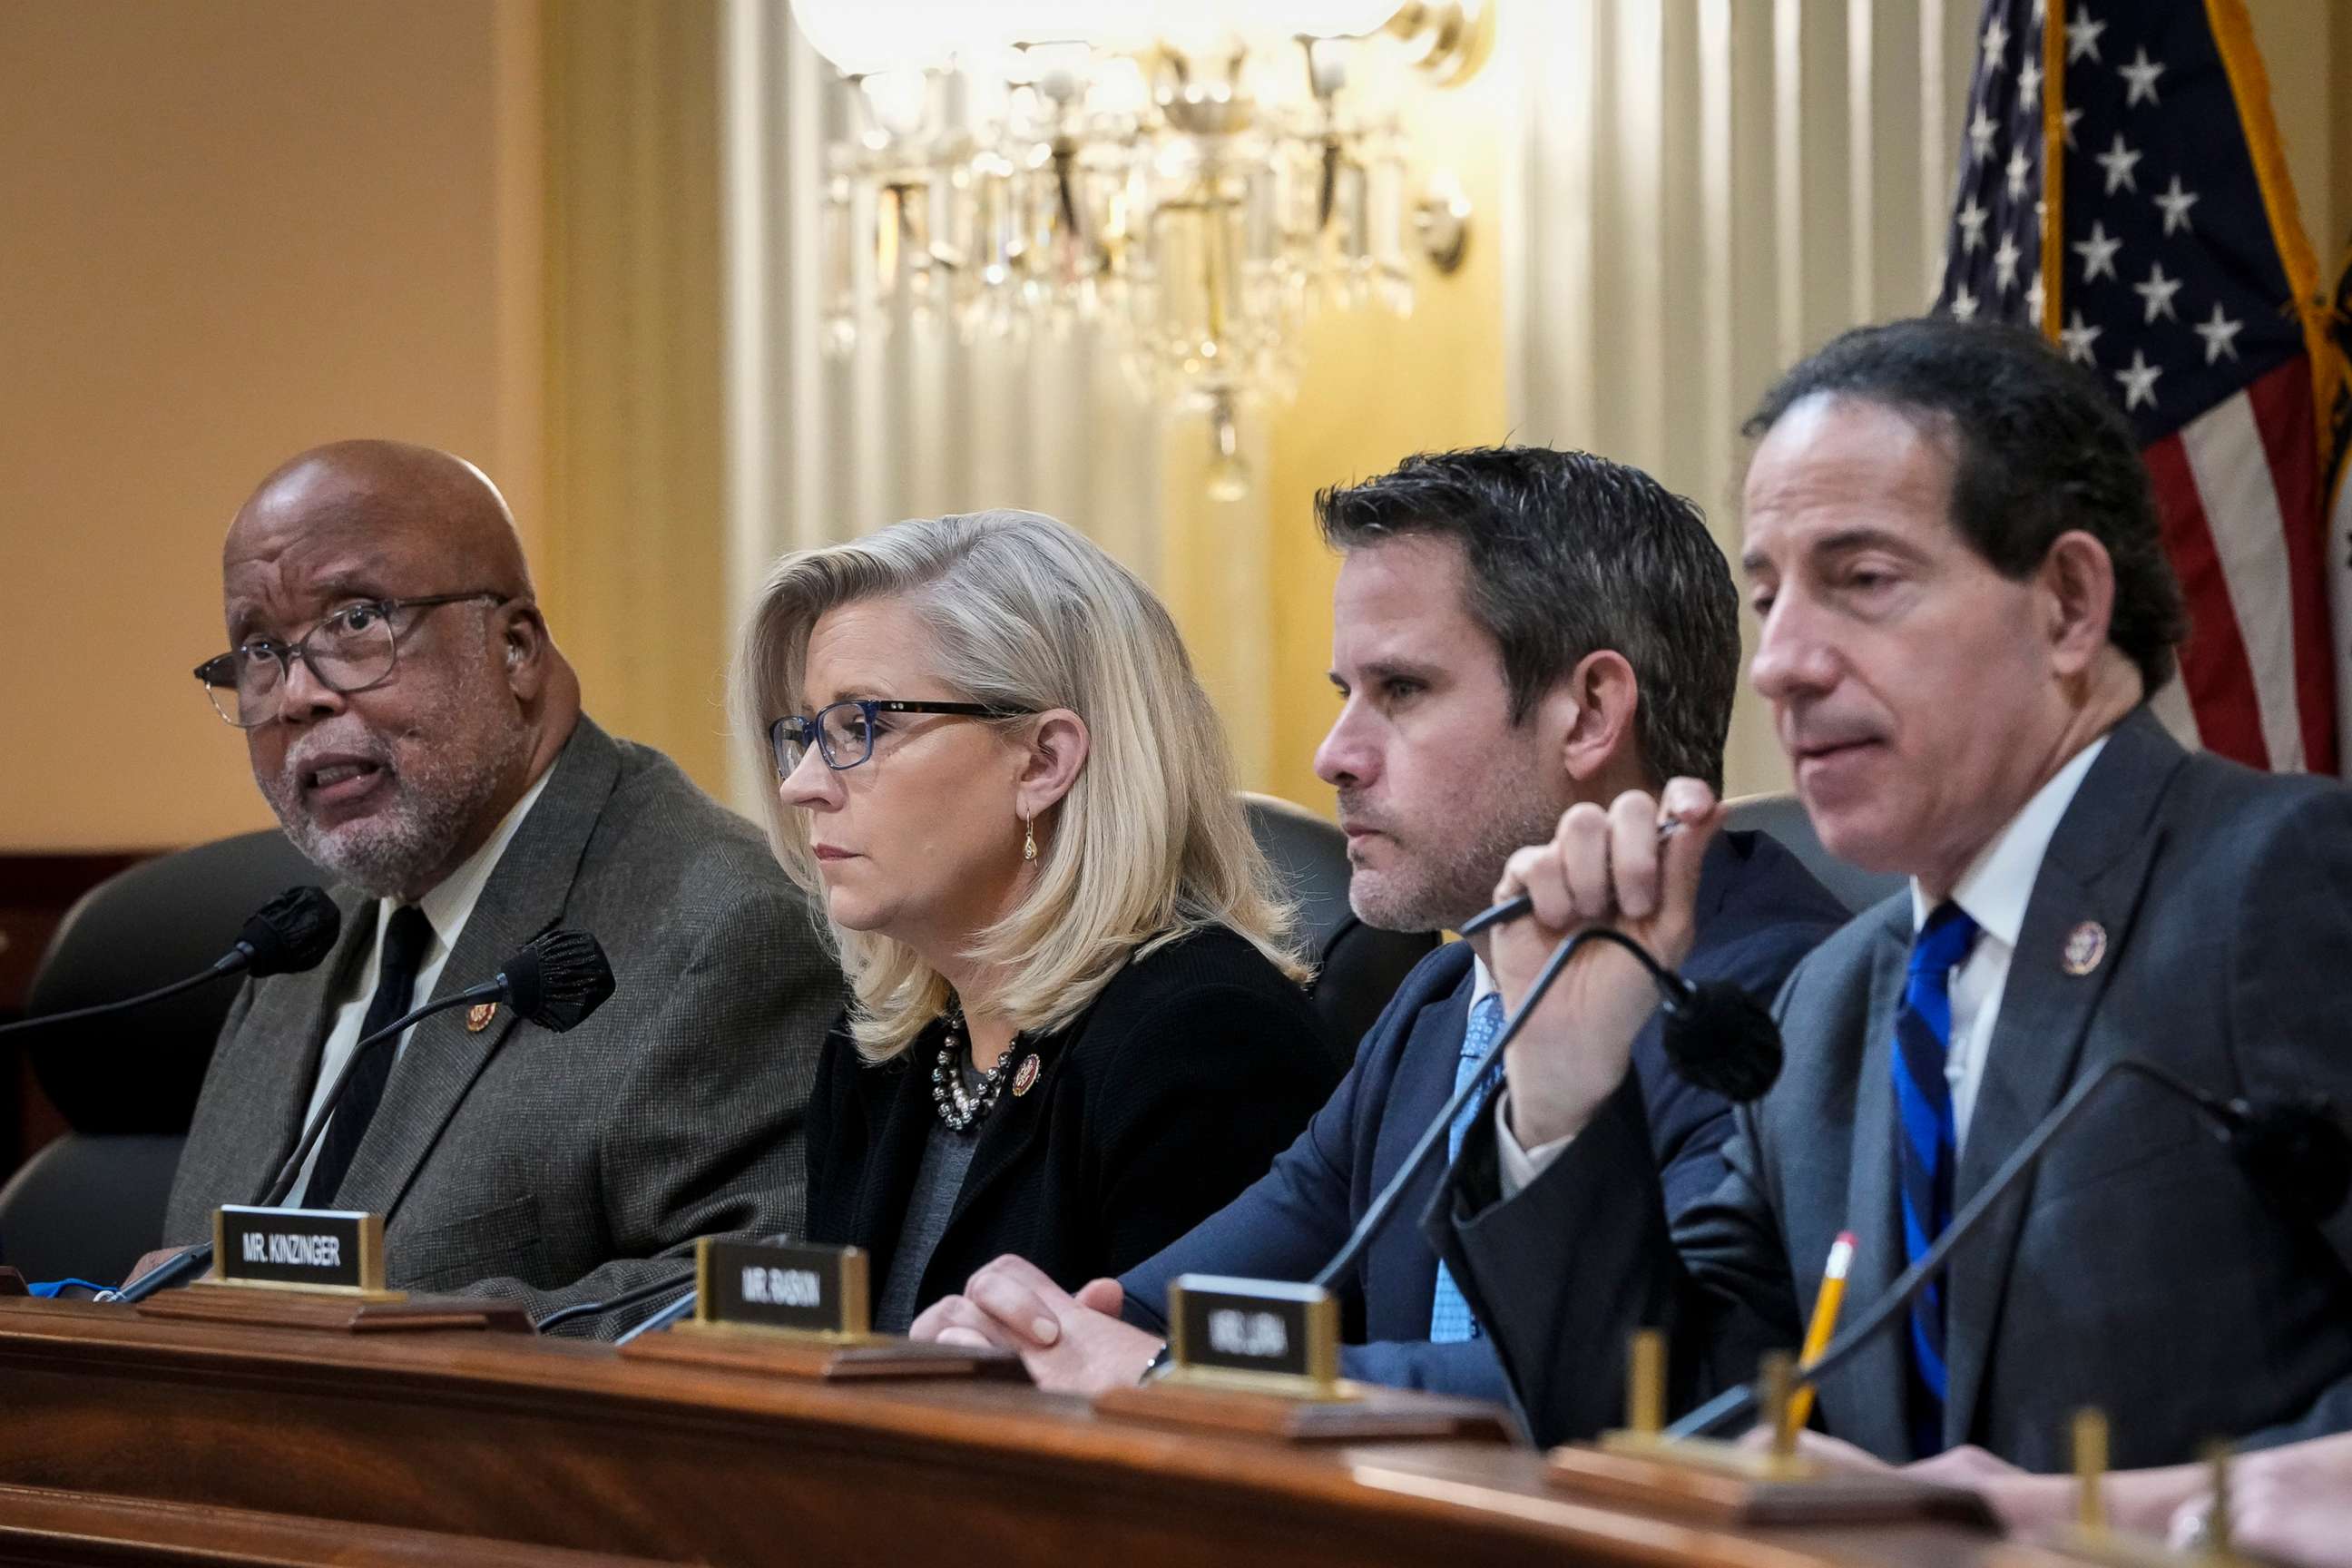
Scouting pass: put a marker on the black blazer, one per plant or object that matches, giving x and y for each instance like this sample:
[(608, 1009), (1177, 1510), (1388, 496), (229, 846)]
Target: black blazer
[(1194, 1069)]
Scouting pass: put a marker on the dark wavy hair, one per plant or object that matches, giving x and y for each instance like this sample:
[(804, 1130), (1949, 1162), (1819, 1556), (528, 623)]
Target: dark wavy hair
[(2038, 450)]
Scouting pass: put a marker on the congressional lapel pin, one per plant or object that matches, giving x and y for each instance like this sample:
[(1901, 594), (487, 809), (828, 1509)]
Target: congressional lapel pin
[(1025, 1079), (480, 1017), (2086, 945)]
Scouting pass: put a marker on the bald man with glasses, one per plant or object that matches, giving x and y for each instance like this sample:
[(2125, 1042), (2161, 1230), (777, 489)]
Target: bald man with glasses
[(420, 737)]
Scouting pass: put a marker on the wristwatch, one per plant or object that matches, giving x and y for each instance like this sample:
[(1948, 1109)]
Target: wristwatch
[(1161, 1360)]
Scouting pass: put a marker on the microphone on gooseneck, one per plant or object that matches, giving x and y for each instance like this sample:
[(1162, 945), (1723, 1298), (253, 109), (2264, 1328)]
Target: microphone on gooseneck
[(555, 981), (1715, 1035), (291, 932), (2294, 1149)]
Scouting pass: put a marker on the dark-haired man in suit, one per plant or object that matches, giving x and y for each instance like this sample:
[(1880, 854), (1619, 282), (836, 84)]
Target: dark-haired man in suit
[(1513, 629), (1965, 606), (420, 737)]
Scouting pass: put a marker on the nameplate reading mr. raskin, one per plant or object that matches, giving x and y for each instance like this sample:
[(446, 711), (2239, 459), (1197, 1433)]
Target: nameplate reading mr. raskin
[(319, 1247), (803, 1289)]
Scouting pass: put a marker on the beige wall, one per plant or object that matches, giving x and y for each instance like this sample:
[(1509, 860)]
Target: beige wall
[(228, 231)]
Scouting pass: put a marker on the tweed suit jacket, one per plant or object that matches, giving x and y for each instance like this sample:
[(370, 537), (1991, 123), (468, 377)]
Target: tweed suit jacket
[(548, 1168), (2137, 1268)]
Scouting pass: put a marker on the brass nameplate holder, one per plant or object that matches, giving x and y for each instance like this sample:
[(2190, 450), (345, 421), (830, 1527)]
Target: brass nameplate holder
[(315, 1268), (801, 1311), (1731, 1482), (1262, 1356), (2090, 1539), (337, 1251)]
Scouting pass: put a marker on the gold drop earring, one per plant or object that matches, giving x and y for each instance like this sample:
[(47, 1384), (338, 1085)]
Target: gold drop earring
[(1028, 838)]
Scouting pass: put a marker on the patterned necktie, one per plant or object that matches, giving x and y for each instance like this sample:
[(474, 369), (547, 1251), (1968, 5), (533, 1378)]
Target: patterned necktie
[(1450, 1321), (1925, 1147), (406, 938)]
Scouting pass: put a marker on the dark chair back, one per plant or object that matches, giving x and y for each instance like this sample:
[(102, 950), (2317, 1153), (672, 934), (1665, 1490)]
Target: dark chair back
[(1783, 816), (1357, 967), (161, 919), (88, 1208)]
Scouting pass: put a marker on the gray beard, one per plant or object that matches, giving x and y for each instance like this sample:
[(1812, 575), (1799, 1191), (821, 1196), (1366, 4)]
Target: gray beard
[(390, 854)]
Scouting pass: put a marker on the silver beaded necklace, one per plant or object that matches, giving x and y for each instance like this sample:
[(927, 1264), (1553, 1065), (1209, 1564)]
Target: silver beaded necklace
[(961, 1110)]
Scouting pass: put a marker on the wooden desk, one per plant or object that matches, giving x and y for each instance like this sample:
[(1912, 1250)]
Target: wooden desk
[(500, 1449)]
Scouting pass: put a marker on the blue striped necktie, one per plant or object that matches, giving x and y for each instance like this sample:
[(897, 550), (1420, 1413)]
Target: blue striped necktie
[(1450, 1320), (1927, 1149)]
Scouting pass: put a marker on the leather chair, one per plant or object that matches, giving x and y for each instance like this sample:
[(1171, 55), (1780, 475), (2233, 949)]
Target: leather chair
[(1783, 817), (1357, 967), (91, 1202)]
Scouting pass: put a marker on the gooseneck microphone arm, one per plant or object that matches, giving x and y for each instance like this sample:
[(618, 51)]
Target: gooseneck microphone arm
[(2233, 1121), (1378, 1213), (187, 1265), (630, 1298), (292, 931), (555, 981)]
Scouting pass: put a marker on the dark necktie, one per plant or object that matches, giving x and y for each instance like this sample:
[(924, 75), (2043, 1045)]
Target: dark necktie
[(406, 938), (1925, 1147)]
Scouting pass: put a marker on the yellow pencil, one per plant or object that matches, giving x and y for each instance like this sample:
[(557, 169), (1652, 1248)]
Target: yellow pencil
[(1817, 1334)]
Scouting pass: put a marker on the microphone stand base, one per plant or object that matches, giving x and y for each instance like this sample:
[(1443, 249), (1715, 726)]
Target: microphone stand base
[(1726, 1484), (822, 1358), (373, 1312), (1355, 1413)]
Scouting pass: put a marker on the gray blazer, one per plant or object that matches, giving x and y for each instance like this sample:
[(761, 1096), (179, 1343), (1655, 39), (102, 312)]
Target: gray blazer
[(2136, 1270), (551, 1168)]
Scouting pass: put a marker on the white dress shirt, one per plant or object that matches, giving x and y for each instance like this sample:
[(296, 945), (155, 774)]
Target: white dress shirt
[(1993, 892), (446, 909)]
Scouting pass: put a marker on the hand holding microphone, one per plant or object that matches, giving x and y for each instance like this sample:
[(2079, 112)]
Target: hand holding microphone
[(1632, 869)]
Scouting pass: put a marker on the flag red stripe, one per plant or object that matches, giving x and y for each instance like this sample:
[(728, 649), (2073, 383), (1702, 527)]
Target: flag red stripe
[(2284, 413), (2213, 668)]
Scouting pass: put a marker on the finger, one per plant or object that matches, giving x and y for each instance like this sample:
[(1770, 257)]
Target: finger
[(1518, 869), (955, 1315), (1583, 844), (1536, 872), (1108, 1297), (971, 1339), (1693, 805), (1030, 1314), (1634, 854)]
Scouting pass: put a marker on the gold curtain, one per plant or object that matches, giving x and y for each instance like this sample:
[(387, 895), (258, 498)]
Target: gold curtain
[(634, 564)]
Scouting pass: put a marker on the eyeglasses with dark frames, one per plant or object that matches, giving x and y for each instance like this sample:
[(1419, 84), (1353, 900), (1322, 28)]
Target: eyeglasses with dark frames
[(356, 649), (844, 732)]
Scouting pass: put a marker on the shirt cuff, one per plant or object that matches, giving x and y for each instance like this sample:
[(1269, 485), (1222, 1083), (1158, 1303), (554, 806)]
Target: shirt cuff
[(1518, 1168)]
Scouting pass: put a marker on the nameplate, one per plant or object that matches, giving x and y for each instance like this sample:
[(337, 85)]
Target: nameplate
[(815, 1292), (302, 1250), (1264, 1332)]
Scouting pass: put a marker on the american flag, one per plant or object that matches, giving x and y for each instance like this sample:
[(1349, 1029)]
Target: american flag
[(2121, 187)]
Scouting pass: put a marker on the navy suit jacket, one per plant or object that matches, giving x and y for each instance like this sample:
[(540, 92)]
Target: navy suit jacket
[(1759, 911)]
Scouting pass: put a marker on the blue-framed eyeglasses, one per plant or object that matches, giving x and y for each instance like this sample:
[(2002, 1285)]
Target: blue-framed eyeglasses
[(845, 731)]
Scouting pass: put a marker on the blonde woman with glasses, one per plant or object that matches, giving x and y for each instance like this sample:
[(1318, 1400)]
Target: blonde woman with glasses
[(1076, 1026)]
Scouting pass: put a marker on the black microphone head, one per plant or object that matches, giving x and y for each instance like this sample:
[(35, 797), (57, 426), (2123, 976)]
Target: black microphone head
[(2296, 1152), (559, 979), (1720, 1037), (291, 932)]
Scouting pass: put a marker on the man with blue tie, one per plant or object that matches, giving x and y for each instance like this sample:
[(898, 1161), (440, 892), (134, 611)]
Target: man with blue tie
[(1515, 629), (1966, 615)]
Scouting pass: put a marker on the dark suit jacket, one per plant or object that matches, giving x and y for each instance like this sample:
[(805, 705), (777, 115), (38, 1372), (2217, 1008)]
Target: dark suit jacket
[(2135, 1271), (1194, 1066), (544, 1167), (1758, 913)]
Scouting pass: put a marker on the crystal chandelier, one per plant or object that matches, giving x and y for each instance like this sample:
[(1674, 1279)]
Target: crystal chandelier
[(1197, 175)]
